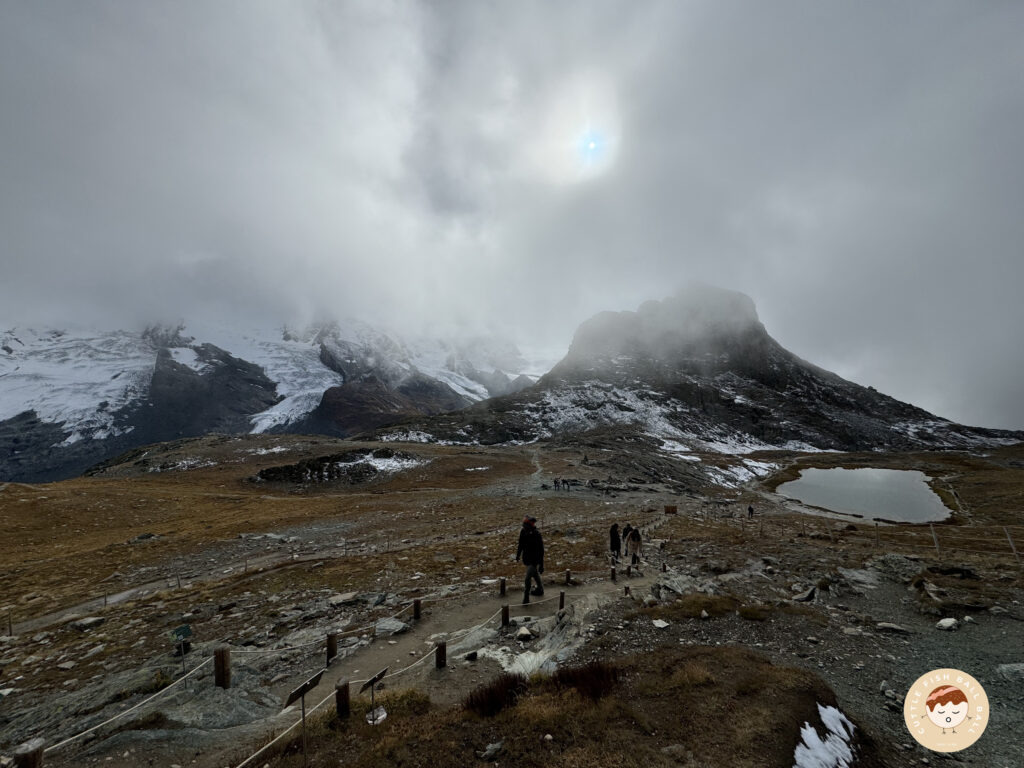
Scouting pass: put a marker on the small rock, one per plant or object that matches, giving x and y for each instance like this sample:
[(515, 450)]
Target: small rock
[(491, 750), (882, 686), (471, 656), (548, 737), (969, 620), (885, 626), (524, 633), (704, 614), (806, 596), (66, 665), (997, 610), (947, 624), (345, 598), (813, 640), (87, 623), (660, 623)]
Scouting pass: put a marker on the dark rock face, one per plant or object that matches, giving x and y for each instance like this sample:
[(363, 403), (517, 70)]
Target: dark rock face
[(367, 403)]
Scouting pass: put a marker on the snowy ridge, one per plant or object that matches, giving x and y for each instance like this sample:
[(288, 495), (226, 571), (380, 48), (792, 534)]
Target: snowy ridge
[(79, 380)]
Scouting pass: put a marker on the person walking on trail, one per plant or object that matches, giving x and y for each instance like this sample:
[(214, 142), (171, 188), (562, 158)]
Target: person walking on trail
[(531, 549), (750, 511), (625, 535), (614, 542), (634, 546)]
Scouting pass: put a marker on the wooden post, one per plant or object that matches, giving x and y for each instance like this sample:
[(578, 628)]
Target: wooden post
[(222, 667), (104, 599), (179, 580), (561, 600), (341, 699), (803, 530), (501, 587), (629, 571), (568, 576), (441, 655), (29, 754), (627, 590), (935, 538), (613, 573), (332, 646), (417, 609), (504, 615), (1005, 530), (664, 567)]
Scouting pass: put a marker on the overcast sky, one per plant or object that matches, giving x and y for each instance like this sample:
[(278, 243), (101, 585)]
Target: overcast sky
[(857, 168)]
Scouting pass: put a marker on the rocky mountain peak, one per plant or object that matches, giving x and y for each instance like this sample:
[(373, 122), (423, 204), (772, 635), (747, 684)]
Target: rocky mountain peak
[(701, 328)]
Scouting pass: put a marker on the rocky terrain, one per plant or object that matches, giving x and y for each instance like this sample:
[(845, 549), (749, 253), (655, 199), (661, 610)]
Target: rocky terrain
[(839, 620)]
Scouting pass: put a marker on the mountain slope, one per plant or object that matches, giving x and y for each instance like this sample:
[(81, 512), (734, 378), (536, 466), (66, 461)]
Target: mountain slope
[(70, 399), (700, 372)]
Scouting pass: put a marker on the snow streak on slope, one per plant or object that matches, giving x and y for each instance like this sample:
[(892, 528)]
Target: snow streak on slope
[(78, 379), (294, 365)]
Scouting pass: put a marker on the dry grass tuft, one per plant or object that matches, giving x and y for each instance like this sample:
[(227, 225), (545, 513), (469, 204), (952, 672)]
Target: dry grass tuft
[(591, 681), (491, 698)]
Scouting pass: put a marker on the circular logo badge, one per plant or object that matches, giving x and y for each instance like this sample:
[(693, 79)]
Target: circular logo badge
[(946, 710)]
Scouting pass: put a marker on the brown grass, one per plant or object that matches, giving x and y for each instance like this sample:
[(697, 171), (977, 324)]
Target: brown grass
[(746, 714)]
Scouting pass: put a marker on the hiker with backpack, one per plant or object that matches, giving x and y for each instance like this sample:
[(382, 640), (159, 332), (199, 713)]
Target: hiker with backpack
[(634, 546)]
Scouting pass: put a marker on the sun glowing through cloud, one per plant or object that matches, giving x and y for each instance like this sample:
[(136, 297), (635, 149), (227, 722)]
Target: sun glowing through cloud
[(579, 134)]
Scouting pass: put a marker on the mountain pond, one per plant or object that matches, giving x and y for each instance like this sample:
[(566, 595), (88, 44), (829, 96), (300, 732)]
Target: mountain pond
[(890, 494)]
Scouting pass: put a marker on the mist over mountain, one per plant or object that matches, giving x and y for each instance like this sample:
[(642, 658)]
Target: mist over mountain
[(699, 371)]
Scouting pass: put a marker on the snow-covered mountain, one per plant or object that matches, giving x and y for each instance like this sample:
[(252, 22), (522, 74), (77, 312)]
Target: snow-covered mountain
[(698, 372), (71, 398)]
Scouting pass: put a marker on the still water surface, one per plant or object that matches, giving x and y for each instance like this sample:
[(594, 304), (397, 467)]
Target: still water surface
[(893, 494)]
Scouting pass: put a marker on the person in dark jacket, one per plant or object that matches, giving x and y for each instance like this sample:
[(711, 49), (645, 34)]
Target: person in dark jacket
[(531, 549), (615, 543), (625, 533)]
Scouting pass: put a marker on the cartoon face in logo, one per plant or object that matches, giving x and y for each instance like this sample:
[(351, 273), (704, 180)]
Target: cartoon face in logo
[(947, 707)]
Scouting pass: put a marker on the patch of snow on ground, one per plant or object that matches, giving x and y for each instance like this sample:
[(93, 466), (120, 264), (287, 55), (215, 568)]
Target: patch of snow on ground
[(834, 751), (477, 469), (265, 451), (410, 436), (184, 465), (393, 464), (760, 468)]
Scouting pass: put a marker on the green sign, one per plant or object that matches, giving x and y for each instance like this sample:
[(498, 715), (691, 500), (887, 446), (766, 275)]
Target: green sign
[(185, 630)]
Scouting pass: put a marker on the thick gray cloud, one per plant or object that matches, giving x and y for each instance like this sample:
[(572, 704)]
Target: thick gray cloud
[(854, 167)]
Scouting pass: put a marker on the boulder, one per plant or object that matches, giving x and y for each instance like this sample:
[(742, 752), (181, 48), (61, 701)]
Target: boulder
[(388, 627), (948, 624), (524, 633), (87, 623)]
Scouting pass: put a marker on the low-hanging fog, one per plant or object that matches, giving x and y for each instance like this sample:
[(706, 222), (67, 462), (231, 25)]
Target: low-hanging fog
[(856, 168)]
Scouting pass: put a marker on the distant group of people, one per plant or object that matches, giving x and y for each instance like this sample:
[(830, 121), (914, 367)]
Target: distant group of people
[(563, 483), (634, 543), (531, 551)]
